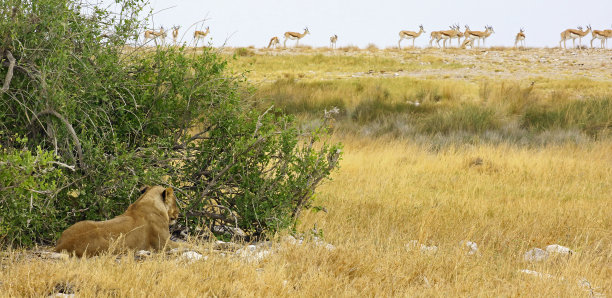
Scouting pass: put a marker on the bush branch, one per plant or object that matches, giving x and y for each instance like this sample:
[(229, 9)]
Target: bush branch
[(9, 74), (73, 134)]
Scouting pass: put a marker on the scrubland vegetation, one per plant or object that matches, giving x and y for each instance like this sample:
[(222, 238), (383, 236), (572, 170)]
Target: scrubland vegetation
[(387, 193), (507, 148)]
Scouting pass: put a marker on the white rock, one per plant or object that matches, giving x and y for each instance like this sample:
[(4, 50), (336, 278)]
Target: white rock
[(193, 256), (426, 281), (143, 253), (586, 285), (414, 244), (536, 274), (291, 240), (329, 246), (52, 255), (320, 242), (535, 255), (470, 246), (252, 254), (556, 248)]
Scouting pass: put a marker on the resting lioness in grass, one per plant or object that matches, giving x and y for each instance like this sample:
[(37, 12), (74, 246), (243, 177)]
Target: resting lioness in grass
[(144, 226)]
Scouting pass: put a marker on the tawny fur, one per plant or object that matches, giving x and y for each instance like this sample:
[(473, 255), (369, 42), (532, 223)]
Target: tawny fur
[(175, 33), (405, 34), (144, 226), (520, 38), (274, 42), (200, 34), (295, 36), (332, 41), (573, 34), (150, 34)]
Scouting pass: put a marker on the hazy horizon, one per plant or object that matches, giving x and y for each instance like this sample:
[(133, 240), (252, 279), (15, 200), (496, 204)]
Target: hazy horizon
[(359, 23)]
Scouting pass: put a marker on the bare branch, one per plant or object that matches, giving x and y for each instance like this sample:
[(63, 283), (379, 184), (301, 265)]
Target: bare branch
[(222, 172), (213, 182), (73, 134), (228, 210), (72, 168), (259, 124), (9, 74), (210, 215)]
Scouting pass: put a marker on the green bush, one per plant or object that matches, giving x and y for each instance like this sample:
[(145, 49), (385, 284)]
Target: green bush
[(123, 116), (28, 182)]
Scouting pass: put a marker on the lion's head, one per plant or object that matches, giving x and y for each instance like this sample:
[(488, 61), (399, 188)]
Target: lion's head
[(166, 195)]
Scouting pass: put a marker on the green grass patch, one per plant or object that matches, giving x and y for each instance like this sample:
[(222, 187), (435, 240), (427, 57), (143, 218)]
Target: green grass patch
[(590, 116), (469, 117)]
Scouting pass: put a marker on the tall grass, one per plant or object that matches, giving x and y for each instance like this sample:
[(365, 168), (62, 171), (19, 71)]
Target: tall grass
[(589, 115), (515, 110), (387, 193), (470, 118)]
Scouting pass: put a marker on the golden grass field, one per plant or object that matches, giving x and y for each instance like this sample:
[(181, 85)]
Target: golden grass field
[(506, 197)]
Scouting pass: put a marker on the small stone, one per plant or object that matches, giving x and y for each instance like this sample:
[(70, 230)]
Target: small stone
[(586, 285), (556, 248), (536, 255), (414, 244), (291, 240), (470, 246), (329, 246), (536, 274), (143, 253), (193, 256), (252, 254), (320, 242)]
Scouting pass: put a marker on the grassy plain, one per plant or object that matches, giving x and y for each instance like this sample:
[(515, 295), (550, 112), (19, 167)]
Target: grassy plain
[(485, 156)]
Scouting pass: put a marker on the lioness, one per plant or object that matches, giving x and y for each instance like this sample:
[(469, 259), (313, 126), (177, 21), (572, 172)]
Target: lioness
[(144, 226)]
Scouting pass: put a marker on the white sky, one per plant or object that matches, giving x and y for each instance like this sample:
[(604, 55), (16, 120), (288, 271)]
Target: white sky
[(360, 22)]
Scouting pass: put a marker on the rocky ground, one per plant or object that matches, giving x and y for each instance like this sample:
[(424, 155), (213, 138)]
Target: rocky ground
[(506, 63)]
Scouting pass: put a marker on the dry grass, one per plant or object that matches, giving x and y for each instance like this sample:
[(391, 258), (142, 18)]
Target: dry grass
[(506, 198), (386, 194)]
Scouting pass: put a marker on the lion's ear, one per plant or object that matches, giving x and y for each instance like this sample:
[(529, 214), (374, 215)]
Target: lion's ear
[(167, 192), (144, 189)]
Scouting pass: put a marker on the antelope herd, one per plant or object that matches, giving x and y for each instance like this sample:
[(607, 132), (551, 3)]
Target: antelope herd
[(445, 36)]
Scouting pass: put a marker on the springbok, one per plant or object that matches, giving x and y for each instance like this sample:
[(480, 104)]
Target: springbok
[(151, 34), (273, 42), (295, 36), (602, 35), (175, 31), (197, 35), (405, 34), (573, 34), (520, 38), (332, 41)]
